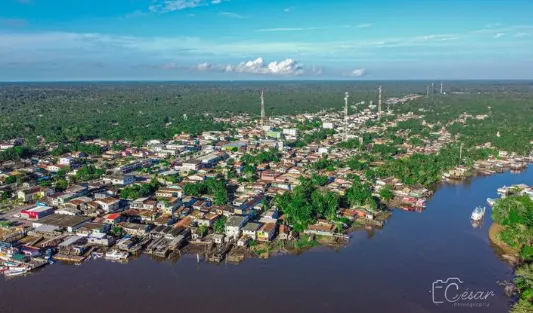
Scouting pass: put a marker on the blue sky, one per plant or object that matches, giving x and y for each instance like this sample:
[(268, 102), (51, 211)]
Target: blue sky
[(265, 39)]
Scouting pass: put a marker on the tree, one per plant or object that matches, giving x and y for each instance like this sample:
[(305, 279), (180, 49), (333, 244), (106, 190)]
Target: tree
[(220, 225), (386, 193), (4, 195), (61, 184), (11, 180)]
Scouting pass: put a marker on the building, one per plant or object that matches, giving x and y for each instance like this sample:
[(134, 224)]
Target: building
[(36, 212), (122, 180), (62, 222), (234, 225), (191, 165), (267, 232), (250, 230), (35, 193), (109, 204), (169, 192)]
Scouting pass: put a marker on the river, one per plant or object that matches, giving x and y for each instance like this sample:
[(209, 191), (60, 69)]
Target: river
[(388, 270)]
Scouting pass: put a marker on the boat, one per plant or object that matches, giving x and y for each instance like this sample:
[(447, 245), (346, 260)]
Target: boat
[(491, 201), (16, 271), (478, 213), (116, 255), (97, 255)]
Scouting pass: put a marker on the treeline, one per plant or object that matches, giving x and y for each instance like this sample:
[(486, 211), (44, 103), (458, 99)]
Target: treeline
[(515, 214)]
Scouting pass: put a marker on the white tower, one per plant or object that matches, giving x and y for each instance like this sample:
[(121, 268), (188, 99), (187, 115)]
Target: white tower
[(379, 102), (441, 87), (263, 114), (346, 96)]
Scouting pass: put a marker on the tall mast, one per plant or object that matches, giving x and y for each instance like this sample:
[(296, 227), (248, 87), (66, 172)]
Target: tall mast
[(441, 87), (263, 114), (346, 96), (379, 102)]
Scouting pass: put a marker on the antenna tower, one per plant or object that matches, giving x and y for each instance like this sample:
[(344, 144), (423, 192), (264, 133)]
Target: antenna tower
[(346, 96), (379, 102), (441, 87), (263, 114)]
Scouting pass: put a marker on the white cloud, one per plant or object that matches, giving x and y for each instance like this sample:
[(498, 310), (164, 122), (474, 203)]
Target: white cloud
[(364, 25), (134, 14), (165, 6), (499, 35), (203, 66), (286, 29), (173, 66), (359, 72), (287, 67), (522, 35), (287, 10), (231, 15)]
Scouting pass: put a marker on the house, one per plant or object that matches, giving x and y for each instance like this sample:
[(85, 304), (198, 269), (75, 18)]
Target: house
[(250, 230), (191, 165), (208, 220), (169, 206), (267, 232), (321, 228), (93, 228), (234, 224), (270, 216), (109, 204), (100, 240), (121, 180), (169, 192), (134, 229), (243, 241), (218, 238), (113, 218), (34, 193), (66, 160), (197, 233)]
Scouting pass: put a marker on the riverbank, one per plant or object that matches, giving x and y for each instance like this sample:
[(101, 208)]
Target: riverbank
[(509, 253)]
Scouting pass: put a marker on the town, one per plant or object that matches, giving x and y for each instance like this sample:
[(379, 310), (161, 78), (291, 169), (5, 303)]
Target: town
[(267, 185)]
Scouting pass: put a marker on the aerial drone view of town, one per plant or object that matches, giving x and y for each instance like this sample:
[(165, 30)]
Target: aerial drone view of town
[(142, 170)]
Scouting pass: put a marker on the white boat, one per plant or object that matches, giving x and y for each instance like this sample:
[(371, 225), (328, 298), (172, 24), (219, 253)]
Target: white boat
[(491, 201), (478, 213), (16, 271), (116, 255)]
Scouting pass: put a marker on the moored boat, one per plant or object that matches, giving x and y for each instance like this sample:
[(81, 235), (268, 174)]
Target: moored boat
[(478, 213), (116, 255), (491, 201)]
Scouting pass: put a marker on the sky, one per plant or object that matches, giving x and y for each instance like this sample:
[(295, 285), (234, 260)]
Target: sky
[(51, 40)]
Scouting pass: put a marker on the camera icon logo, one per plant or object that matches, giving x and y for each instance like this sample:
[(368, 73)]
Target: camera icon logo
[(440, 288)]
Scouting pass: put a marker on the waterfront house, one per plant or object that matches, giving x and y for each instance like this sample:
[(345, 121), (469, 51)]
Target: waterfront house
[(267, 232), (134, 229), (234, 225), (321, 228), (250, 230)]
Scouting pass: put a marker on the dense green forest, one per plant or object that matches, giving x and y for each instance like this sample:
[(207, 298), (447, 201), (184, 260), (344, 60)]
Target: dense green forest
[(68, 112), (515, 214)]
